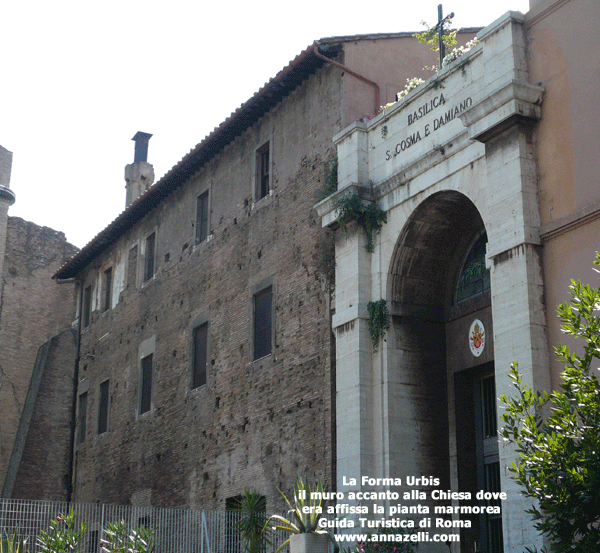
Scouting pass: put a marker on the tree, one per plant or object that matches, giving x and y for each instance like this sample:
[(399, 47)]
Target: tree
[(557, 435)]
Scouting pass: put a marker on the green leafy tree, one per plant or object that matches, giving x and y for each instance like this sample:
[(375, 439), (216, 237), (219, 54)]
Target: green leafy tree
[(557, 435), (431, 37)]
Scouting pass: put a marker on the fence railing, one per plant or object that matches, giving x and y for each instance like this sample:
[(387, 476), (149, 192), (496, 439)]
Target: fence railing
[(179, 530)]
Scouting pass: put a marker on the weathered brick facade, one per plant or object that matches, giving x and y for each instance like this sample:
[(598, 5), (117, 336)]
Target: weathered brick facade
[(255, 423)]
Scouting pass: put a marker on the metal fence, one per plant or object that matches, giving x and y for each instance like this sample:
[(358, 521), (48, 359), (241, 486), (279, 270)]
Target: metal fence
[(182, 530)]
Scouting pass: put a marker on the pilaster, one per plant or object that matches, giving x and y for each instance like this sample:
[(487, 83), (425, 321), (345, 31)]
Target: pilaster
[(354, 371)]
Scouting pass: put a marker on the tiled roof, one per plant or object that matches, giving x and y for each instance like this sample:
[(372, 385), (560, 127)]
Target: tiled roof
[(296, 72)]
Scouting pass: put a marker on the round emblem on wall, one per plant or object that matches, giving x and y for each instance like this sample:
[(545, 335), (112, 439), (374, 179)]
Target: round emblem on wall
[(477, 337)]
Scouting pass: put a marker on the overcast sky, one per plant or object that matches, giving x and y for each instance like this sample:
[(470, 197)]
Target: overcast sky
[(80, 78)]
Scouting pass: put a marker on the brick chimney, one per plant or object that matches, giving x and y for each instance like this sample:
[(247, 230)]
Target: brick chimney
[(139, 175)]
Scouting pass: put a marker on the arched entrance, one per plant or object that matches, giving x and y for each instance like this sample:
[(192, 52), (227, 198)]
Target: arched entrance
[(443, 420)]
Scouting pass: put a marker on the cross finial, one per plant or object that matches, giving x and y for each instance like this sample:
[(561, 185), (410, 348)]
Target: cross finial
[(440, 26)]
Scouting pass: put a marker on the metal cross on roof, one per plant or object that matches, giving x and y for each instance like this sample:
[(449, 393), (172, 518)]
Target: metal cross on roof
[(440, 28)]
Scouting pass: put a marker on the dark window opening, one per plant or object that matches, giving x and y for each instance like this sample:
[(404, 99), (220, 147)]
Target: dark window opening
[(262, 172), (202, 217), (263, 303), (232, 516), (107, 289), (149, 258), (200, 355), (87, 306), (146, 385), (103, 408), (82, 416), (474, 278)]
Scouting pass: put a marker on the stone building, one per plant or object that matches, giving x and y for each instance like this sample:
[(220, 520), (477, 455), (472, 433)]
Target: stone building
[(487, 174), (37, 352), (206, 355)]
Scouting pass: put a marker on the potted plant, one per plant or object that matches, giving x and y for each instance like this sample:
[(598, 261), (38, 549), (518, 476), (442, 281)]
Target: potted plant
[(306, 535)]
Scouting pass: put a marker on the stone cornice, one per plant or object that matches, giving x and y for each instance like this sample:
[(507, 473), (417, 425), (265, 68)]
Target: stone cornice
[(327, 208), (513, 102)]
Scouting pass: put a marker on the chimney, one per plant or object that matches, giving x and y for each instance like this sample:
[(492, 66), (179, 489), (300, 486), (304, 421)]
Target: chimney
[(139, 175)]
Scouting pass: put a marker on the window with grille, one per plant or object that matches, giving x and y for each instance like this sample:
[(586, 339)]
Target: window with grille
[(474, 277)]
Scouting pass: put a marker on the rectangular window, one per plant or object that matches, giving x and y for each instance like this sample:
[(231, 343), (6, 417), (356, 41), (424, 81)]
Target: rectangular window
[(202, 217), (146, 385), (87, 306), (132, 267), (82, 416), (107, 289), (262, 172), (103, 408), (263, 303), (200, 355), (149, 257)]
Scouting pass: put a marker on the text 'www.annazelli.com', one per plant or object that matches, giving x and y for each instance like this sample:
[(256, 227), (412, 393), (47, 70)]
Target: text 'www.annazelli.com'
[(398, 538)]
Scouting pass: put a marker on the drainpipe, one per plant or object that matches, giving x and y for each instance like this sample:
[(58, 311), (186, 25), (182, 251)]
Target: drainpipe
[(315, 49)]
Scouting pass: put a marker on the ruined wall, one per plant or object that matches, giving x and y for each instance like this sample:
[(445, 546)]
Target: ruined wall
[(33, 308), (255, 424), (40, 463)]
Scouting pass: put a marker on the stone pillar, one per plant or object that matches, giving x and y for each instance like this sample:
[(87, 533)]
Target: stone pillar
[(7, 198), (517, 306), (503, 121), (354, 371)]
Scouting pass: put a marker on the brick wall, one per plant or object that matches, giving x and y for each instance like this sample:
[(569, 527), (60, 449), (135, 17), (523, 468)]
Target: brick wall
[(255, 424), (40, 463), (33, 308)]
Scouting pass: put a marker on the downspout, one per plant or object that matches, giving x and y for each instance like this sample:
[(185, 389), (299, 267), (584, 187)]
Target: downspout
[(315, 49), (71, 473)]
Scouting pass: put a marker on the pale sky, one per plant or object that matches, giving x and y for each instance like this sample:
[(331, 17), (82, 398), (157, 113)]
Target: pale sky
[(80, 78)]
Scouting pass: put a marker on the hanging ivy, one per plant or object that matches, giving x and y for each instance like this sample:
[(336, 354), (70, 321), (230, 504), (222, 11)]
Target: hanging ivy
[(331, 179), (370, 217), (379, 321)]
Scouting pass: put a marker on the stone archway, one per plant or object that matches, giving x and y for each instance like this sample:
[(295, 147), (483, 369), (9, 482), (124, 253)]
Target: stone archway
[(437, 386)]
